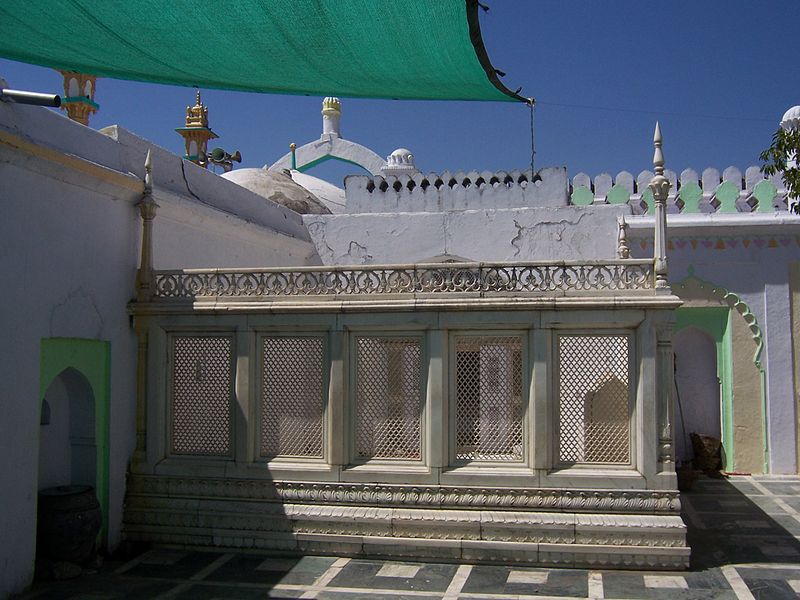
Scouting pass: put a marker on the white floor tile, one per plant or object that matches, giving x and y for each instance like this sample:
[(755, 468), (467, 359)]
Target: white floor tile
[(405, 571), (527, 577), (666, 581)]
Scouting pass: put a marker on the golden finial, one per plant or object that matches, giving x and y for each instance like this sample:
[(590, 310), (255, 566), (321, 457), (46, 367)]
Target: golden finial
[(331, 104), (196, 132), (197, 115)]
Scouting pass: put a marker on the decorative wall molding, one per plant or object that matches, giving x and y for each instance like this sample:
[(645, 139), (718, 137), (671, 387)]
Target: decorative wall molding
[(191, 513), (499, 278), (444, 181), (388, 495), (705, 242)]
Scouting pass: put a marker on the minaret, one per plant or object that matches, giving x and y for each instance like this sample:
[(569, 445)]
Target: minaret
[(78, 98), (331, 115), (196, 133)]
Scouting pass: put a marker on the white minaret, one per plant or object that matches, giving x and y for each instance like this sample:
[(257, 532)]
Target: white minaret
[(331, 115)]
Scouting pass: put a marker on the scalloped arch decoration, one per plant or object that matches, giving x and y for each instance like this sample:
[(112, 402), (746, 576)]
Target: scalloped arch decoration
[(724, 296)]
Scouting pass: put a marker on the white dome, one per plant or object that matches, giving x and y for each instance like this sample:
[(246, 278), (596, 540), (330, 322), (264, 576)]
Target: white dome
[(278, 187), (327, 193), (401, 157), (791, 118)]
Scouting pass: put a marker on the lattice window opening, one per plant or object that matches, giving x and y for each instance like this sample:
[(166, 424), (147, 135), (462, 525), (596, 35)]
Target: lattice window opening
[(388, 402), (594, 399), (202, 395), (489, 405), (292, 397)]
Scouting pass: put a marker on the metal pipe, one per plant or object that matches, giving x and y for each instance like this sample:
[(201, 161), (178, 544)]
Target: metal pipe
[(35, 98)]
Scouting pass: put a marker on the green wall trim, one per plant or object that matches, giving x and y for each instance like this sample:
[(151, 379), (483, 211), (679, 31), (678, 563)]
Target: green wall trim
[(691, 193), (715, 321), (765, 192), (581, 196), (92, 358), (618, 194), (726, 195)]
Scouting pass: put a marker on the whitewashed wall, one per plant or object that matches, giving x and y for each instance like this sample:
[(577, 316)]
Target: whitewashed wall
[(69, 250)]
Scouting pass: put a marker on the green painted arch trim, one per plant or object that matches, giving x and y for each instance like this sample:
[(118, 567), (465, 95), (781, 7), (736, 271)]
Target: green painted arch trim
[(322, 159), (735, 302), (91, 358)]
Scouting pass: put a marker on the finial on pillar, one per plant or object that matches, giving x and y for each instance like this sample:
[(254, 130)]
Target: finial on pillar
[(145, 281), (658, 155), (331, 116), (148, 173), (196, 133), (659, 186)]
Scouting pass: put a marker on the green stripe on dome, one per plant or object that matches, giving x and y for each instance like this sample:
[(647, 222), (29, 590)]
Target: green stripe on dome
[(428, 49)]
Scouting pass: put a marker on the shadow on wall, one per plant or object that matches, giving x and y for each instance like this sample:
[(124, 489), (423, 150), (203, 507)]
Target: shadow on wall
[(698, 389), (67, 447)]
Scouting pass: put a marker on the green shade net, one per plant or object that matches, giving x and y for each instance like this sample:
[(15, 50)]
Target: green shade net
[(424, 49)]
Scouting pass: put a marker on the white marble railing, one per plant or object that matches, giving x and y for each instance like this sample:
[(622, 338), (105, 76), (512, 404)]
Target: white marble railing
[(501, 278)]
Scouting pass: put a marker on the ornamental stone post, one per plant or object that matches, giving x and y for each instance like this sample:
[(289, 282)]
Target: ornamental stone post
[(145, 289), (660, 185), (145, 285)]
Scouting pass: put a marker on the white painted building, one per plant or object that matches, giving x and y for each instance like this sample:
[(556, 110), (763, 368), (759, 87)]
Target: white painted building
[(521, 268)]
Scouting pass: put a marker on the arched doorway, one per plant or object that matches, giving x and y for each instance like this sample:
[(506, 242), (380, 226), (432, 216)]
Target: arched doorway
[(739, 343), (67, 443), (698, 389), (79, 369)]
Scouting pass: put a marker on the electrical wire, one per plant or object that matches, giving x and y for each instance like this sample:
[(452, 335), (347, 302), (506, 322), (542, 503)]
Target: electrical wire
[(532, 105), (655, 112)]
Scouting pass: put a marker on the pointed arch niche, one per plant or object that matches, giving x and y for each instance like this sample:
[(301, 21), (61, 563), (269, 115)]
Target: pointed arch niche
[(739, 343), (74, 375)]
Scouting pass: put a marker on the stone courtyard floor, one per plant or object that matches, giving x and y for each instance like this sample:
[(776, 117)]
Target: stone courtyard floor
[(744, 533)]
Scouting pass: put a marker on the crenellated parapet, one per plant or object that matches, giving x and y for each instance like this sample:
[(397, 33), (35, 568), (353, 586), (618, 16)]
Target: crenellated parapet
[(438, 192), (711, 191), (691, 192)]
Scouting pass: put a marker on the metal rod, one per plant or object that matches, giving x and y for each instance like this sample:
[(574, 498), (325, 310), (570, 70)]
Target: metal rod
[(35, 98)]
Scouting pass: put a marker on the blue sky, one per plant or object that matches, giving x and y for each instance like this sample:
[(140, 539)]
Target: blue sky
[(718, 74)]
